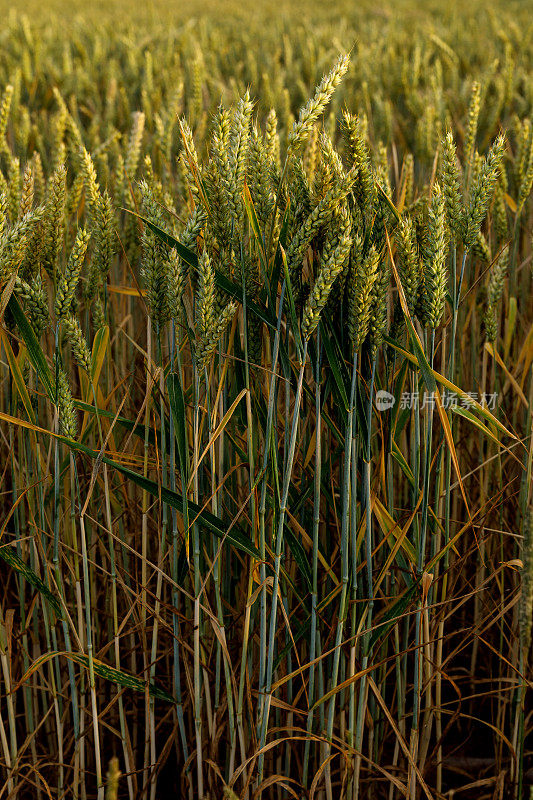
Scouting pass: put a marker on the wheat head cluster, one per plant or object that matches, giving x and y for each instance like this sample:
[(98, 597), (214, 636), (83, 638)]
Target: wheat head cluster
[(266, 402)]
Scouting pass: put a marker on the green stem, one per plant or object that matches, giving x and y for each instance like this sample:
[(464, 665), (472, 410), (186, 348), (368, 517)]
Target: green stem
[(277, 562)]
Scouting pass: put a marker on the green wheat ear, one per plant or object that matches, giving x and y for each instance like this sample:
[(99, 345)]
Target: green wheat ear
[(176, 274), (205, 299), (494, 294), (240, 140), (407, 179), (335, 253), (5, 105), (134, 145), (15, 187), (211, 337), (408, 265), (105, 245), (355, 135), (65, 405), (16, 239), (526, 181), (54, 220), (435, 272), (481, 192), (316, 105), (318, 218), (4, 218), (27, 195), (91, 182), (378, 312), (471, 128), (78, 342), (481, 248), (69, 281), (193, 228), (36, 301), (189, 160), (155, 260), (272, 142), (501, 226), (362, 278), (451, 185)]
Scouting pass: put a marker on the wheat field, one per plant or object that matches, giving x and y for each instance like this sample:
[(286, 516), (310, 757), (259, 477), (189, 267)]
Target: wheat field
[(266, 395)]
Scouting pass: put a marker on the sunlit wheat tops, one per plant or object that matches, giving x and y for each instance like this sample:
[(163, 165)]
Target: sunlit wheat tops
[(312, 110), (243, 554)]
